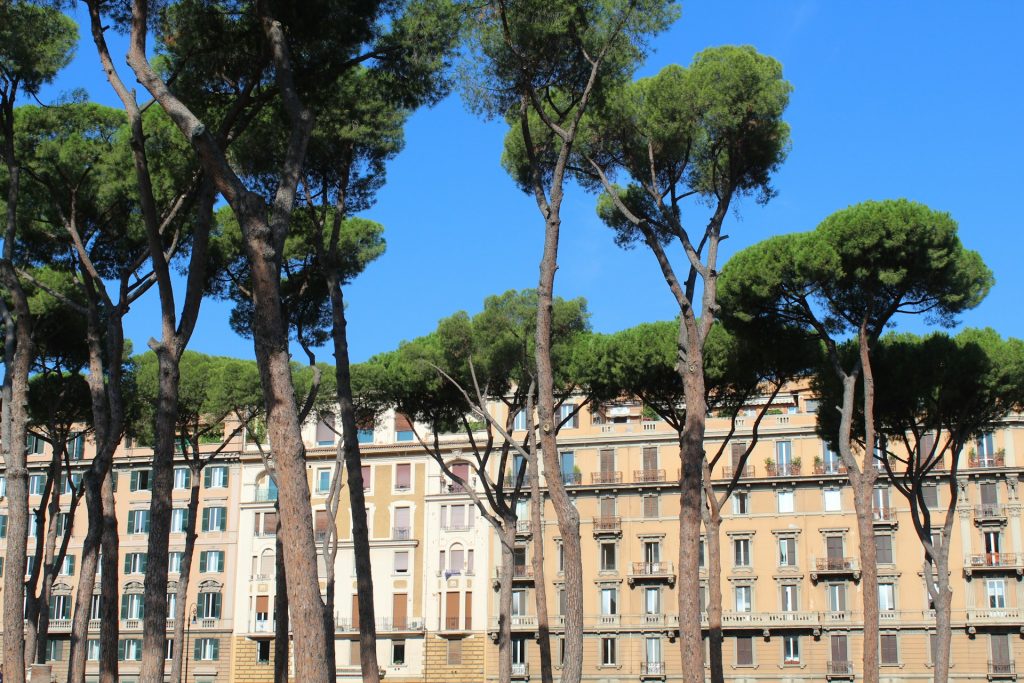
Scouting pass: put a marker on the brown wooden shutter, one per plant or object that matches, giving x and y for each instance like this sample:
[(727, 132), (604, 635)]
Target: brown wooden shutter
[(650, 458), (325, 429), (403, 476), (925, 445), (321, 521), (367, 476), (890, 654), (399, 610), (262, 604), (270, 522), (355, 611), (835, 547), (738, 448), (607, 507), (451, 609), (838, 648), (468, 612), (744, 650), (607, 459), (883, 542), (650, 506), (1000, 649), (989, 493)]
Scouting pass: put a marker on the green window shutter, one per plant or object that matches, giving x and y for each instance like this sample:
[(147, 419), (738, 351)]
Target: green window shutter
[(127, 564), (124, 611), (120, 649), (145, 561), (227, 476), (199, 648), (146, 521), (188, 478), (135, 480), (131, 521), (216, 606), (206, 477), (71, 565), (202, 561), (206, 519), (216, 648), (220, 561)]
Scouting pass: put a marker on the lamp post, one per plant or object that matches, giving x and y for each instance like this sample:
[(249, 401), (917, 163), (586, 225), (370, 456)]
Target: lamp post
[(192, 613)]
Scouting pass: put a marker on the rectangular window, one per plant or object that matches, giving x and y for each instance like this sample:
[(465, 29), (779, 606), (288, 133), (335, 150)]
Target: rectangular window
[(787, 501), (60, 607), (609, 601), (886, 597), (401, 561), (211, 561), (883, 544), (36, 484), (744, 651), (367, 477), (174, 562), (135, 563), (608, 558), (325, 430), (215, 519), (741, 503), (132, 606), (94, 608), (207, 649), (140, 480), (455, 652), (138, 521), (263, 652), (652, 601), (209, 605), (784, 457), (889, 649), (930, 493), (650, 506), (744, 599), (216, 477), (519, 421), (323, 480), (179, 520), (129, 650), (787, 552), (568, 415), (833, 500), (608, 655), (741, 552), (54, 650), (3, 526), (403, 477), (789, 597), (995, 590), (67, 567), (791, 649), (397, 652), (182, 478), (92, 650), (837, 597)]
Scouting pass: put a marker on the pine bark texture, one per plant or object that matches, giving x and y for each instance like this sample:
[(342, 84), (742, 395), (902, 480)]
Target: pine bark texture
[(691, 502), (181, 601), (540, 592), (714, 609)]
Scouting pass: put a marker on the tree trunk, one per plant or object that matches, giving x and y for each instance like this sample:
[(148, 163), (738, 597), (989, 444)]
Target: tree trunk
[(86, 577), (540, 590), (863, 496), (154, 638), (567, 515), (357, 500), (109, 624), (282, 629), (32, 598), (943, 618), (38, 629), (181, 602), (691, 503), (505, 601), (714, 570)]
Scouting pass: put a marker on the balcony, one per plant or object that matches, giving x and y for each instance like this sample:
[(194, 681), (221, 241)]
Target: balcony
[(446, 487), (131, 624), (601, 478), (785, 469), (761, 620), (520, 670), (989, 512), (265, 494), (747, 473), (987, 461), (1001, 671), (652, 669), (648, 476), (523, 527), (572, 478), (518, 622), (520, 573), (884, 516), (401, 533), (994, 563), (995, 616), (607, 526), (835, 567), (383, 625), (652, 571), (460, 526), (829, 468), (838, 669), (263, 626), (60, 625)]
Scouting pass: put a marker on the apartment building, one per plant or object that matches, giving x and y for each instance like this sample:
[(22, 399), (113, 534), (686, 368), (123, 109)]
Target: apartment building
[(790, 578)]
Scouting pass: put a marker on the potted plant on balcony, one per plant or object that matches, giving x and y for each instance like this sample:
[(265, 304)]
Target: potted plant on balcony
[(819, 465), (795, 467), (769, 465)]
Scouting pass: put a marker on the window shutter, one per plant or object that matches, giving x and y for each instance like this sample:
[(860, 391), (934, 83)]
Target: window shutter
[(131, 521), (220, 561), (650, 458), (262, 604), (889, 650), (120, 648), (113, 480), (216, 649), (199, 649), (207, 477), (135, 480), (206, 518), (227, 476), (145, 520), (145, 562), (745, 650), (216, 605), (71, 565), (325, 429), (124, 606), (403, 476), (738, 448), (127, 564)]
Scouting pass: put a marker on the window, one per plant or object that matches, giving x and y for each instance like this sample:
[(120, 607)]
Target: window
[(608, 657), (561, 557), (325, 430), (401, 561), (129, 650), (67, 484), (930, 493), (455, 652), (216, 477), (833, 500), (403, 478), (784, 457), (608, 557), (364, 435), (832, 463), (209, 605), (811, 405), (67, 567), (652, 600), (215, 519), (263, 652), (366, 473), (650, 506), (182, 478), (397, 652), (3, 526), (135, 563), (787, 501), (567, 413), (211, 561), (889, 649), (518, 603), (95, 605), (323, 480), (179, 520), (886, 597), (132, 606), (519, 421), (741, 552), (791, 649), (172, 604), (567, 460), (140, 480), (60, 606), (700, 552), (34, 445), (745, 651), (92, 650), (54, 650), (741, 503), (880, 501), (138, 521), (837, 597), (36, 484), (787, 552), (995, 589), (63, 523), (207, 649), (609, 601), (744, 599), (789, 597), (986, 445), (174, 562), (883, 545)]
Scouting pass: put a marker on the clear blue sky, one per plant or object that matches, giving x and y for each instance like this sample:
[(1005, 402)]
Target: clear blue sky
[(891, 99)]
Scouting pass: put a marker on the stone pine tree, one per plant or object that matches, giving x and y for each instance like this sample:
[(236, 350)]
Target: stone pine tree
[(541, 64), (451, 380), (36, 42), (933, 396), (848, 278), (702, 136), (641, 362)]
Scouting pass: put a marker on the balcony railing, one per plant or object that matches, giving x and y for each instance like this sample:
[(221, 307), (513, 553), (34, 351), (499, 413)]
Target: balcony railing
[(451, 623), (994, 560), (830, 468), (522, 526), (460, 526), (451, 487), (519, 572), (839, 668), (265, 495), (520, 670), (606, 477), (648, 476), (1001, 669), (884, 515), (382, 624), (835, 564), (729, 470), (987, 461), (652, 668), (995, 615), (989, 511), (785, 469), (607, 525), (401, 533), (651, 570)]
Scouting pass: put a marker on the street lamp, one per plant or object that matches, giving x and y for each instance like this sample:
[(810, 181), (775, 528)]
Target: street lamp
[(192, 614)]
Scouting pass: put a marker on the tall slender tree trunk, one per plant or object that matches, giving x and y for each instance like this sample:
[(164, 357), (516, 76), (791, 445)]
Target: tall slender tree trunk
[(37, 632), (368, 664), (86, 577), (691, 503), (32, 598), (943, 601), (565, 512), (540, 590), (154, 635), (282, 620), (181, 601), (109, 624), (508, 533), (714, 569), (863, 497)]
